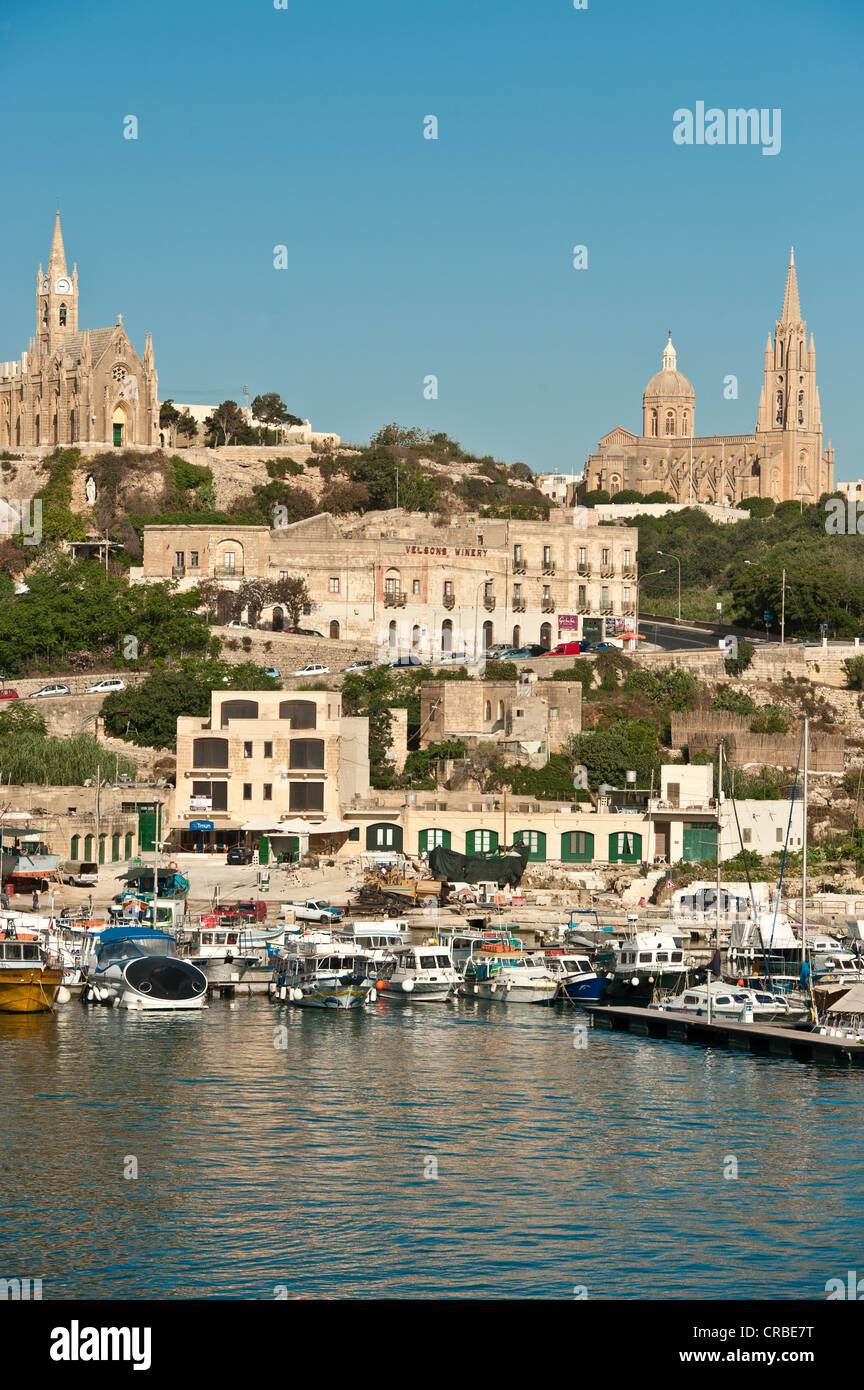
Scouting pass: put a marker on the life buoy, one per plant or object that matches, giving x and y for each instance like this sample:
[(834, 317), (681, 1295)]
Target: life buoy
[(172, 865)]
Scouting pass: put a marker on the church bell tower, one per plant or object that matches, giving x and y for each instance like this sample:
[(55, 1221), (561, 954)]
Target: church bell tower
[(56, 298)]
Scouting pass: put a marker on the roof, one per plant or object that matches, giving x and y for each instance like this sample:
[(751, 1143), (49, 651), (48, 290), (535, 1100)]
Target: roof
[(852, 1002), (666, 383)]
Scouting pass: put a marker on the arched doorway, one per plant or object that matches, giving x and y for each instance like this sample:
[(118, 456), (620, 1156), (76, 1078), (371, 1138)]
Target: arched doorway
[(446, 636), (415, 636), (278, 620), (488, 635), (517, 636), (334, 628), (392, 636), (546, 636), (118, 427)]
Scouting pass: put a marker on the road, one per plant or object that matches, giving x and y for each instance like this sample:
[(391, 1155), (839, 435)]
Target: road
[(671, 638)]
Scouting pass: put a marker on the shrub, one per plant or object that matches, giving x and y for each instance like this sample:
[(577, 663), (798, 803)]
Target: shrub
[(772, 719), (854, 668), (758, 506), (671, 688), (742, 660), (733, 701)]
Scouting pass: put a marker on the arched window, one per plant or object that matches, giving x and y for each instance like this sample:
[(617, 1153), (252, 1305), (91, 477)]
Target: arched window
[(102, 849), (500, 716), (487, 713), (430, 839), (238, 709), (392, 636), (779, 408), (210, 752), (780, 351), (654, 423), (73, 846), (307, 752), (481, 841), (303, 714), (625, 847), (800, 407), (684, 430), (488, 635), (517, 636), (88, 849), (62, 315), (45, 314), (127, 847), (577, 847), (334, 628), (546, 636), (415, 635), (115, 848), (536, 842), (278, 620), (447, 635), (383, 835), (670, 422)]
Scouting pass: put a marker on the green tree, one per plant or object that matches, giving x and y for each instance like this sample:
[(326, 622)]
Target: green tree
[(228, 420), (147, 714), (270, 409)]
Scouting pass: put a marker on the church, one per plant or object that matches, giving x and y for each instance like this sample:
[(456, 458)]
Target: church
[(783, 459), (76, 386)]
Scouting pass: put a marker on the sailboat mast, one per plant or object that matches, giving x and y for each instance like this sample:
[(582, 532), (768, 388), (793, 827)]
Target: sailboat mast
[(804, 853), (719, 839)]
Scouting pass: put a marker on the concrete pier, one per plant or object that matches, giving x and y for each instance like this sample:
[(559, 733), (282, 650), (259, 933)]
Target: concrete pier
[(761, 1038)]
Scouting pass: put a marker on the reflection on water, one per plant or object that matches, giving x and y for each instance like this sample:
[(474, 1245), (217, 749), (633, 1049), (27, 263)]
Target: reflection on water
[(304, 1165)]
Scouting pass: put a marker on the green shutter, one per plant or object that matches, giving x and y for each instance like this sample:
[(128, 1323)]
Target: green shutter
[(538, 855), (618, 851), (426, 840), (577, 847), (475, 838)]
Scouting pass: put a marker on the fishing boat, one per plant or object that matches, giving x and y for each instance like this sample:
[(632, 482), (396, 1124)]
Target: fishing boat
[(462, 944), (136, 967), (577, 978), (323, 974), (507, 975), (647, 961), (424, 974), (29, 980), (718, 999), (225, 954)]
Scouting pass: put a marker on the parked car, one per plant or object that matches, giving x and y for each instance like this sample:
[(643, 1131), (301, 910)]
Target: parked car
[(235, 622), (359, 666), (566, 649), (313, 669), (239, 854), (406, 661), (519, 653), (82, 873), (451, 659), (316, 910), (105, 687), (304, 632), (8, 694), (274, 672), (58, 689), (497, 650)]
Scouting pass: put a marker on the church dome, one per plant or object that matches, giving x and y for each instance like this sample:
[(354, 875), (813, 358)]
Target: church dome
[(669, 401), (669, 383)]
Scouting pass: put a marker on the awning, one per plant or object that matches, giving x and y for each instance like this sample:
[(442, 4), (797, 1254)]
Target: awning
[(852, 1002), (264, 825), (331, 827)]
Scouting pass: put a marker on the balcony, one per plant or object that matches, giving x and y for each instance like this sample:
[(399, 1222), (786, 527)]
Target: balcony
[(549, 569), (178, 571), (629, 571), (449, 600), (395, 598), (607, 572), (489, 603), (520, 567), (228, 572), (548, 605), (518, 605), (584, 570), (629, 610), (607, 608)]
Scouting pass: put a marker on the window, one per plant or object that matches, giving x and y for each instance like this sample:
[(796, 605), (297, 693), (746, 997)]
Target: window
[(62, 315), (535, 840), (517, 593), (670, 422), (115, 848), (193, 559), (217, 792), (488, 590), (179, 559), (604, 556), (517, 554), (302, 714), (553, 711), (210, 752), (73, 847), (306, 753), (625, 846), (481, 841), (127, 845), (547, 555), (604, 596), (626, 593), (228, 561), (747, 835), (626, 559), (238, 709), (653, 423), (268, 750), (547, 593), (430, 839), (268, 791), (415, 587), (779, 834), (284, 574), (333, 584), (582, 555), (391, 585), (247, 750), (583, 597), (448, 588), (487, 712), (306, 796), (247, 791)]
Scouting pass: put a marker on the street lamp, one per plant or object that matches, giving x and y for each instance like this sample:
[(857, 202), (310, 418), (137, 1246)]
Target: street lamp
[(638, 582), (669, 555)]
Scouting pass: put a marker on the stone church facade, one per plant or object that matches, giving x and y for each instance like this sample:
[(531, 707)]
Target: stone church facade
[(783, 459), (76, 386)]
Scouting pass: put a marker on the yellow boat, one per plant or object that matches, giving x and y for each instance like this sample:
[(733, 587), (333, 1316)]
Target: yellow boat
[(28, 983)]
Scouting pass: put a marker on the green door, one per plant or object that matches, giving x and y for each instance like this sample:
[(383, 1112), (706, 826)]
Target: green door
[(481, 841), (264, 850), (625, 847), (700, 843), (148, 829), (101, 849), (428, 840), (118, 434), (577, 847), (536, 841)]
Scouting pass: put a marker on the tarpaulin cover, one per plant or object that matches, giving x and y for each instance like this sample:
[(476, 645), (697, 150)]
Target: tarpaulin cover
[(479, 868)]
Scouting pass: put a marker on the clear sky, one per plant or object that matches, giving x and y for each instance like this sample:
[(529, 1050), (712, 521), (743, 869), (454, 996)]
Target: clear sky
[(409, 257)]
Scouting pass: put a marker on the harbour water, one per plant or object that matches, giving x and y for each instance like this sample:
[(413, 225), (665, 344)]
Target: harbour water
[(310, 1168)]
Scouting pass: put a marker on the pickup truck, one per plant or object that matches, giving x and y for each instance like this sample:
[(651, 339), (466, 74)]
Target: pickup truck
[(315, 910)]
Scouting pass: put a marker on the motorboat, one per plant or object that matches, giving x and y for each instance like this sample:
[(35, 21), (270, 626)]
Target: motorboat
[(577, 978), (462, 944), (136, 967), (736, 1002), (645, 962), (424, 974), (29, 980), (225, 954), (497, 971), (323, 974)]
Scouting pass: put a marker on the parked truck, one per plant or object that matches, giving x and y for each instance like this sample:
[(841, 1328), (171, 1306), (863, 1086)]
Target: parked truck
[(314, 910)]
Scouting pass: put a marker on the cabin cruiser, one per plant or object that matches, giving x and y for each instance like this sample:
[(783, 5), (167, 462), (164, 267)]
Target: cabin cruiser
[(576, 977), (422, 973), (324, 974), (497, 971), (736, 1002), (645, 962), (462, 944), (29, 980), (139, 968), (225, 954)]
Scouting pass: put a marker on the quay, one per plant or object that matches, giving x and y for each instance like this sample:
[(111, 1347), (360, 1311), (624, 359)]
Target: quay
[(762, 1039)]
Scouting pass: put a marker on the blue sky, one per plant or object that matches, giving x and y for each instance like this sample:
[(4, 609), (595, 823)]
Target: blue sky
[(409, 257)]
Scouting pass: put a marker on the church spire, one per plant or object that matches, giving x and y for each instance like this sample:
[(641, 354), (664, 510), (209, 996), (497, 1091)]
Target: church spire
[(670, 357), (57, 259), (791, 312)]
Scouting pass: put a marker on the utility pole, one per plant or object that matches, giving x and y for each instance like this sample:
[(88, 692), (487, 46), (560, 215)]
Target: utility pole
[(783, 613)]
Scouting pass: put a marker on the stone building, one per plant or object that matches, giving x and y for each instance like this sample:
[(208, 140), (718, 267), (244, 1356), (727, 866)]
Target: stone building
[(73, 385), (525, 715), (783, 459), (268, 764), (412, 587), (108, 825)]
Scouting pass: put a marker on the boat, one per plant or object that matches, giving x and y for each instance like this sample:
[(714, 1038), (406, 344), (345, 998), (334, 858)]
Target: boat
[(225, 954), (732, 1001), (27, 863), (577, 979), (136, 967), (645, 962), (497, 971), (424, 974), (323, 973), (29, 980), (461, 944)]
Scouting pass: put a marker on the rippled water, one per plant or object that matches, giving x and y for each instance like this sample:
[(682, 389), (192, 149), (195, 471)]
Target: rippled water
[(304, 1166)]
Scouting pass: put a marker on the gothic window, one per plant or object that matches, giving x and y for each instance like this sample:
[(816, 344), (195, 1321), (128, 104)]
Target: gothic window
[(45, 313), (654, 423), (801, 353), (802, 476), (800, 407), (62, 315), (118, 372), (670, 421), (779, 420), (780, 347), (684, 422)]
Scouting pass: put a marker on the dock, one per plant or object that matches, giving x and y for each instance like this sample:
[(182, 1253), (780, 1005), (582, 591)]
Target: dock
[(760, 1038)]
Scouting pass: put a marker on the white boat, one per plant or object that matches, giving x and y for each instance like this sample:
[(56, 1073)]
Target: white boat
[(139, 968), (509, 976), (424, 974), (323, 974), (732, 1001), (647, 961), (225, 954), (462, 944)]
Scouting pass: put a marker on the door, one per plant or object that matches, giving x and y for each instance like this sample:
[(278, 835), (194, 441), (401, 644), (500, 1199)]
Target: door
[(481, 841), (384, 836), (118, 434), (429, 839), (264, 850), (148, 830), (700, 843)]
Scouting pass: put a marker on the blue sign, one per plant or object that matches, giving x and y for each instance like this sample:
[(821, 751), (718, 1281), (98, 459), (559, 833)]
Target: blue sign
[(766, 617), (202, 825)]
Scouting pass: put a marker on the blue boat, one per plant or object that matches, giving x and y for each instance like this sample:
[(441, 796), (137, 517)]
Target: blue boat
[(577, 980)]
